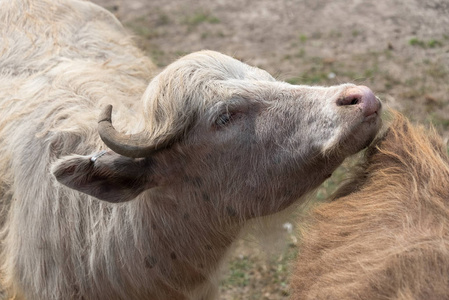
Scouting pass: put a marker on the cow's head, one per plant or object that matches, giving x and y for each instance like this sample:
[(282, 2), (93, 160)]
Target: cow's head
[(230, 134)]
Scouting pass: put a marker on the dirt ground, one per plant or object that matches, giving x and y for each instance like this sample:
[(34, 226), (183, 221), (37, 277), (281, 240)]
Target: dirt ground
[(400, 49)]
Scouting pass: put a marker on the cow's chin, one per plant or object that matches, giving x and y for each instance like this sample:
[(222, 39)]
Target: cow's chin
[(355, 136), (364, 136)]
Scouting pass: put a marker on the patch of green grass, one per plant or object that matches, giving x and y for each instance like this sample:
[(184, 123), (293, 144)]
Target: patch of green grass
[(309, 78), (370, 72), (199, 18), (301, 53), (417, 42), (255, 274), (303, 38), (316, 78), (157, 56), (294, 80), (141, 28), (181, 53), (317, 73), (239, 270), (433, 43)]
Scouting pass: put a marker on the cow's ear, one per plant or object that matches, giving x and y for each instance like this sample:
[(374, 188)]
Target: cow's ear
[(107, 176)]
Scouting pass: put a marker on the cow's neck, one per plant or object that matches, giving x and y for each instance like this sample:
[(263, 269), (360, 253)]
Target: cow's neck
[(187, 244)]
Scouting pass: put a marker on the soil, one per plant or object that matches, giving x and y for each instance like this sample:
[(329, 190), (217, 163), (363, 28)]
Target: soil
[(400, 49)]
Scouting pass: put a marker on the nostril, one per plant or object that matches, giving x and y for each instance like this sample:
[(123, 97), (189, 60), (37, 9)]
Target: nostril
[(349, 100), (362, 98), (354, 101)]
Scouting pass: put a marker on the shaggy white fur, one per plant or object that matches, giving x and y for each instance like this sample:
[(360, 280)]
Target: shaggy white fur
[(241, 145)]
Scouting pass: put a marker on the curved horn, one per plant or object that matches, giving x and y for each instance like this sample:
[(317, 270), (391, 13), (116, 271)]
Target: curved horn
[(130, 145)]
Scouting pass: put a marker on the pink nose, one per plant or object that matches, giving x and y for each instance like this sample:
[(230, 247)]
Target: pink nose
[(363, 97)]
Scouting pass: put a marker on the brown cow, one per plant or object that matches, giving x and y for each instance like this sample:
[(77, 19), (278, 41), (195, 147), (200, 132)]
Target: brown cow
[(200, 149), (386, 233)]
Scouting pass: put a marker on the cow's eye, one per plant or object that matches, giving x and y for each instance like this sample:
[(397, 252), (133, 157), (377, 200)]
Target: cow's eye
[(223, 119)]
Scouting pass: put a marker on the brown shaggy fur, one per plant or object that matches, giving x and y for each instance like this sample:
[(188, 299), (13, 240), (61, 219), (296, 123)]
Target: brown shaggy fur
[(386, 234)]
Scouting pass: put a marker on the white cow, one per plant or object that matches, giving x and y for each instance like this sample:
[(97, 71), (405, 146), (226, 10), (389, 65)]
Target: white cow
[(200, 149)]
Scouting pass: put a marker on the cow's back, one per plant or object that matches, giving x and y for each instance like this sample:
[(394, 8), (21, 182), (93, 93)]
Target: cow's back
[(60, 61)]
